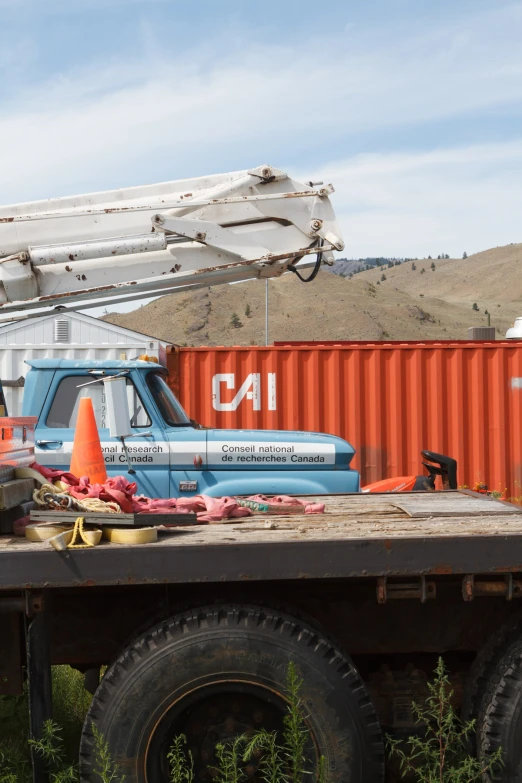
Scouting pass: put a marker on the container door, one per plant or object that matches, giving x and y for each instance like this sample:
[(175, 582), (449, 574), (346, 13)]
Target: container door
[(148, 448)]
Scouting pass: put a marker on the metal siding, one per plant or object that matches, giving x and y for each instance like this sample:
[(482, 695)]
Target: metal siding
[(389, 401), (90, 339)]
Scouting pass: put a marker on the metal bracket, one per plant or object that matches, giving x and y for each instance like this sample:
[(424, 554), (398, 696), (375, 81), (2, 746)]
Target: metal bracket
[(211, 234), (421, 590), (508, 588), (18, 384), (29, 604)]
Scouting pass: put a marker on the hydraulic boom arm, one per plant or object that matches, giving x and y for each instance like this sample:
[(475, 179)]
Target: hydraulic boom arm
[(113, 246)]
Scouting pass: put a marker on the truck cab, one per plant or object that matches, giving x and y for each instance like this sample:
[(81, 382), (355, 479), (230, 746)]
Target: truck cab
[(171, 455)]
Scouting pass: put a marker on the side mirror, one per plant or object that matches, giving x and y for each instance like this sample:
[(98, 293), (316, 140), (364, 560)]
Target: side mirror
[(118, 412)]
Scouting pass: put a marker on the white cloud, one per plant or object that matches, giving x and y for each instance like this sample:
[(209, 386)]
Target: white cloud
[(166, 115), (421, 204)]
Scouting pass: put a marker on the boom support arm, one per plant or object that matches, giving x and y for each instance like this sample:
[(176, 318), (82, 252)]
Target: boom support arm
[(118, 245)]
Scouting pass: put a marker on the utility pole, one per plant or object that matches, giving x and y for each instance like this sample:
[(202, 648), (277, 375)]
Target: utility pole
[(266, 311)]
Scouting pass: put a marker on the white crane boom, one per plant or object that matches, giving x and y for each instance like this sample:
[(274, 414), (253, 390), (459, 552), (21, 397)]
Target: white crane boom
[(112, 246)]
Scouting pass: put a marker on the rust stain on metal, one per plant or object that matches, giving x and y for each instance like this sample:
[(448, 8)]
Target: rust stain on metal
[(441, 569), (388, 545), (223, 266), (97, 289), (270, 259), (6, 220)]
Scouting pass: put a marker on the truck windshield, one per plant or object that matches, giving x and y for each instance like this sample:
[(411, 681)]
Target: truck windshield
[(170, 409)]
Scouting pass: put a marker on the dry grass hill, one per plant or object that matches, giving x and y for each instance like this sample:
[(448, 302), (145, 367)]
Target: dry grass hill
[(409, 305)]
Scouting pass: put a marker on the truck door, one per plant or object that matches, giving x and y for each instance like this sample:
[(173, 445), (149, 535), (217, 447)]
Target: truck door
[(187, 443), (149, 452)]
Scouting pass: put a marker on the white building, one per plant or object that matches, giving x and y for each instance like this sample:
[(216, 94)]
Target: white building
[(67, 336)]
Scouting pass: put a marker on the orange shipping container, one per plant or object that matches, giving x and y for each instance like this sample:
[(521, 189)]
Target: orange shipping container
[(389, 400)]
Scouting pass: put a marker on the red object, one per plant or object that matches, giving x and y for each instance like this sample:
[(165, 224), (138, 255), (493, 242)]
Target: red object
[(400, 484), (121, 491), (389, 400), (87, 456), (20, 524)]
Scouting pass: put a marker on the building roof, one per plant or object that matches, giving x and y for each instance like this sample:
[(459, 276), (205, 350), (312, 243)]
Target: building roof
[(84, 330)]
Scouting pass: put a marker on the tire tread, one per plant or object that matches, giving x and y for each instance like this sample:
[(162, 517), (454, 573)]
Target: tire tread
[(255, 617)]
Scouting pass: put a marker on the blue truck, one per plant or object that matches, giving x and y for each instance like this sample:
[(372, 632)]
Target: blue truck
[(170, 455)]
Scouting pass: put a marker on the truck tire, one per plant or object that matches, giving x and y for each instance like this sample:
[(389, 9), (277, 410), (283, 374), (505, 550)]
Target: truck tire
[(211, 673), (486, 663), (499, 723)]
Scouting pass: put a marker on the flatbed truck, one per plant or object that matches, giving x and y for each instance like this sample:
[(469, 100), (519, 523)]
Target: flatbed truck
[(197, 630)]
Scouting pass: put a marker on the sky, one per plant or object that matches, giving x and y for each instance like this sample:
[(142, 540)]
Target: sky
[(411, 108)]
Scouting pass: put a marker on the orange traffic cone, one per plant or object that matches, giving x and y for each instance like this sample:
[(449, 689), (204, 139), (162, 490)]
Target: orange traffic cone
[(87, 457)]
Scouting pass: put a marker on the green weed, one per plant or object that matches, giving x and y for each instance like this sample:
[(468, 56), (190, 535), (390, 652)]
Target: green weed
[(279, 758), (272, 767), (181, 763), (295, 733), (441, 754), (51, 748), (104, 765), (58, 746), (229, 756)]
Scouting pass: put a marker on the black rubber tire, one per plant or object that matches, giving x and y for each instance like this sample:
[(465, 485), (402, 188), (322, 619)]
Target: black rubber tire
[(193, 650), (486, 664), (499, 723)]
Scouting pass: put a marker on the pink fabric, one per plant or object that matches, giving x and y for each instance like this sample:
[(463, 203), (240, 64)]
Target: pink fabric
[(207, 509), (288, 500), (55, 475), (122, 492), (20, 524), (116, 489)]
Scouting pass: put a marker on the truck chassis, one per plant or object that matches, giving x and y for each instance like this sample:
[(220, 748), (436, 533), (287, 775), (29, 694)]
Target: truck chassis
[(393, 580)]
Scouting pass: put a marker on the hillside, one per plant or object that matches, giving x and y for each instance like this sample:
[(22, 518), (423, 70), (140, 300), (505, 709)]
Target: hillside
[(491, 277), (408, 305)]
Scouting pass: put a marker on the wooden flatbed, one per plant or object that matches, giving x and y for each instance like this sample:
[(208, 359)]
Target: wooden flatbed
[(406, 534), (394, 579)]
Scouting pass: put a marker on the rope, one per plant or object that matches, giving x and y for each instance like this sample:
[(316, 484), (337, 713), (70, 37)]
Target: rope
[(95, 504), (46, 496), (79, 540)]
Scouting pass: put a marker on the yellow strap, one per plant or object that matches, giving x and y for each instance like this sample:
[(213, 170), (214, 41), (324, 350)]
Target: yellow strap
[(21, 473), (79, 536), (141, 535), (43, 531)]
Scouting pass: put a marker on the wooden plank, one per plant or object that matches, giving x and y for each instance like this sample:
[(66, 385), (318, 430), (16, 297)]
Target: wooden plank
[(460, 506), (326, 531), (8, 518), (15, 492), (114, 520)]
